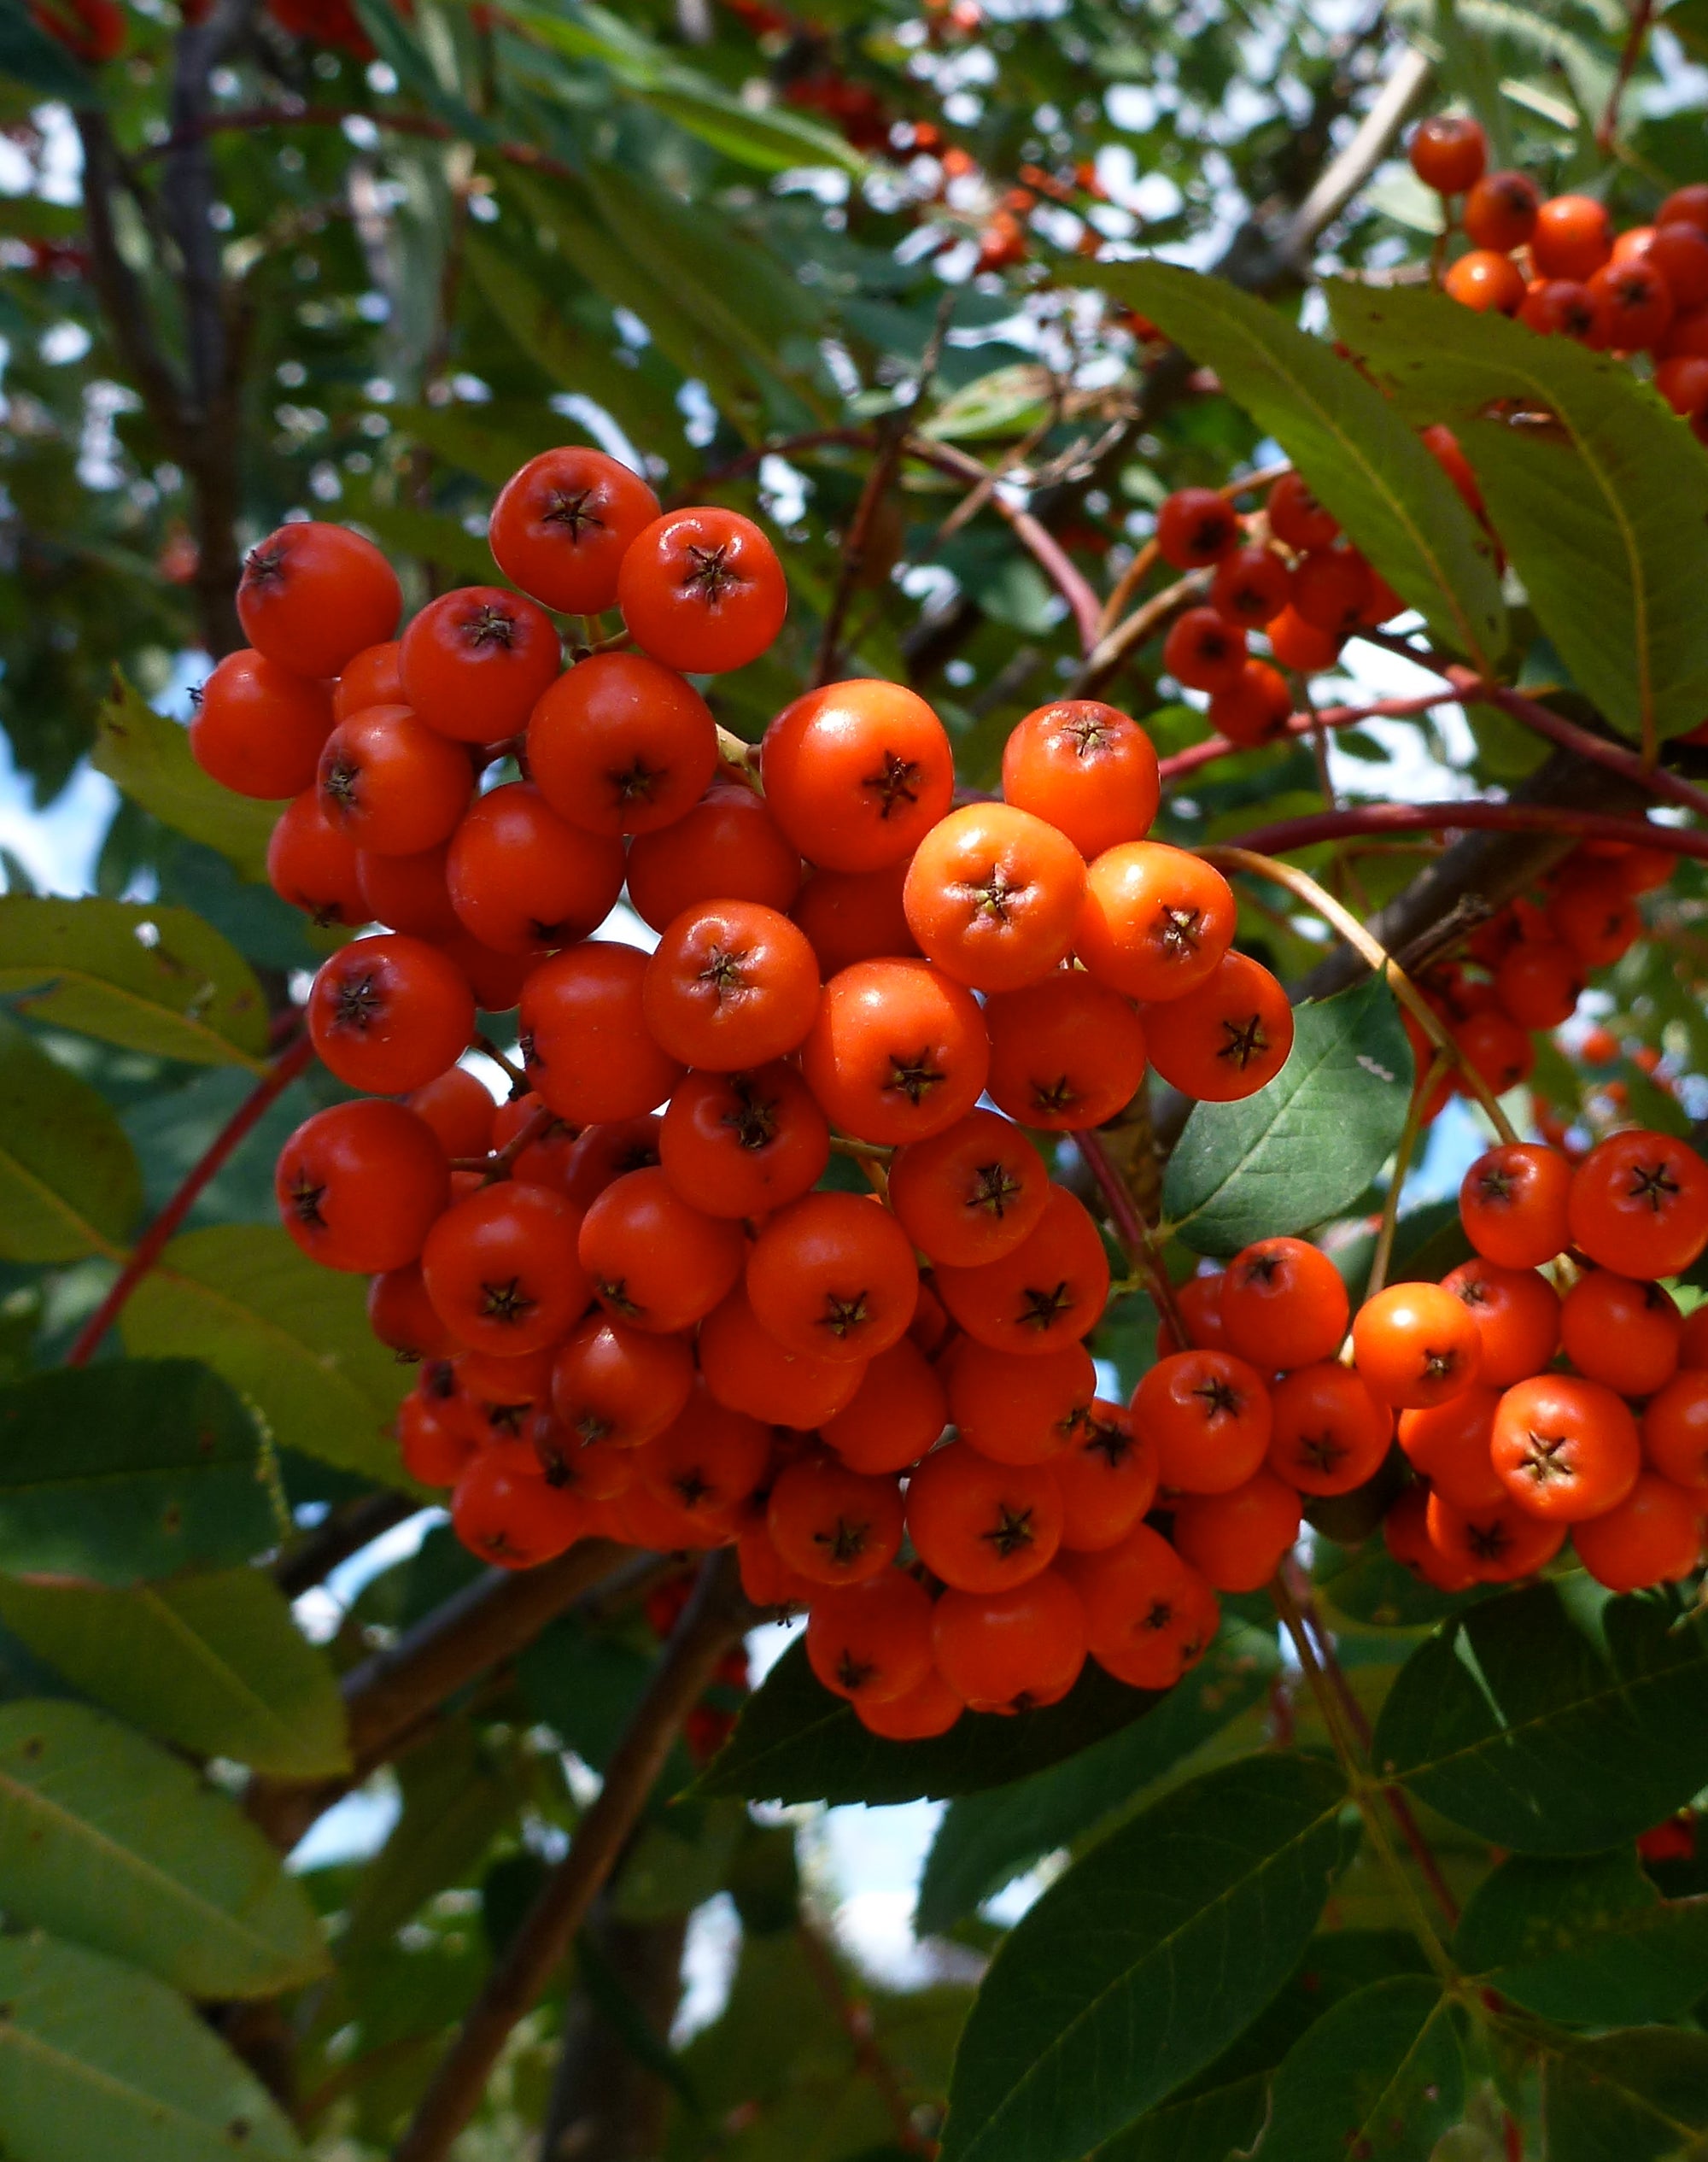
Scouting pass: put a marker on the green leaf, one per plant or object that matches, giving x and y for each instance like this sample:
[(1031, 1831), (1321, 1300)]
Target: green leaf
[(470, 437), (1360, 459), (1307, 1145), (430, 534), (291, 1338), (795, 1742), (456, 1800), (1589, 1942), (101, 2063), (214, 1663), (1203, 2128), (985, 1840), (129, 1468), (108, 1840), (1366, 1585), (156, 980), (1381, 2077), (1687, 21), (1005, 402), (1637, 2096), (1138, 1967), (148, 756), (1554, 1720), (69, 1185), (1605, 515)]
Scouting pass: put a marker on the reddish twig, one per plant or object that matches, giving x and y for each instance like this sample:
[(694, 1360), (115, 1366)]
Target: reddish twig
[(1289, 833), (856, 2022), (1131, 1229), (1330, 717), (499, 1163), (251, 117), (709, 1626), (1642, 14), (148, 1248)]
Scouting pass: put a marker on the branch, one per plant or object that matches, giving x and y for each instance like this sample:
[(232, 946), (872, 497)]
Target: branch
[(129, 324), (1642, 14), (1106, 654), (712, 1621), (1350, 170), (1468, 816), (153, 1243), (1669, 787), (856, 2022), (1330, 717), (344, 1531)]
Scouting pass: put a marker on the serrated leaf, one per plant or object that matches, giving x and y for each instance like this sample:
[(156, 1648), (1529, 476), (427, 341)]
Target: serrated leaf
[(1138, 1967), (1554, 1721), (156, 980), (1381, 2077), (69, 1183), (1605, 514), (101, 2063), (795, 1742), (1305, 1146), (1359, 458), (214, 1663), (1637, 2096), (985, 1840), (148, 756), (291, 1338), (110, 1841), (1589, 1942), (128, 1469)]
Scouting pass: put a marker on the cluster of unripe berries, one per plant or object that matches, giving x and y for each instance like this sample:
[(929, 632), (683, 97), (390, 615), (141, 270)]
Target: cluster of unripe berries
[(1284, 573), (645, 1307), (1558, 265)]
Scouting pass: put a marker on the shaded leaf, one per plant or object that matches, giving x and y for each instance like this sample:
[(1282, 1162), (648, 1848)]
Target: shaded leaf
[(1359, 458), (1305, 1146), (156, 980), (101, 2063), (1590, 1942), (985, 1840), (795, 1742), (1637, 2096), (1604, 516), (108, 1840), (291, 1338), (147, 755), (69, 1185), (29, 55), (1381, 2077), (129, 1468), (456, 1800), (214, 1663), (1138, 1967), (1203, 2127), (1554, 1720)]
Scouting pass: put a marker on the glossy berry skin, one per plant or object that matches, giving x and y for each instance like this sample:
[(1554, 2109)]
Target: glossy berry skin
[(857, 774), (1088, 770), (1496, 1545), (314, 866), (475, 662), (584, 1041), (1011, 1651), (1512, 1203), (702, 590), (1448, 153), (1209, 1415), (1638, 1204), (1518, 1314), (1675, 1430), (1654, 1535), (1283, 1304), (1018, 1410), (371, 677), (1415, 1345), (1500, 211), (390, 785), (504, 1511), (743, 1144), (971, 1193), (1295, 516), (920, 1716), (1448, 1444), (1051, 1290), (1236, 1541), (831, 1276), (746, 1367), (899, 1411), (1566, 1449), (360, 1185), (388, 1014), (731, 985), (871, 1642), (1107, 1479), (1299, 645), (979, 1526), (897, 1051), (851, 916), (728, 847), (522, 880), (409, 894), (562, 524), (1149, 1616), (992, 894), (402, 1316), (312, 596), (655, 1263), (1066, 1053), (502, 1270), (257, 730), (1195, 527), (1633, 306), (614, 1385), (1155, 921), (1228, 1037), (1572, 238), (1327, 1434), (1624, 1335), (1491, 284), (620, 744), (834, 1526)]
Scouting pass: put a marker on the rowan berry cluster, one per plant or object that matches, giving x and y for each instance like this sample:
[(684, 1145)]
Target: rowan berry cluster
[(1558, 265), (644, 1306), (1509, 1450)]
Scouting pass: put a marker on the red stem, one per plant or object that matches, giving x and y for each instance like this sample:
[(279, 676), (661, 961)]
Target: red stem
[(1671, 787), (1131, 1229), (263, 116), (1289, 833), (153, 1243), (1385, 709)]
